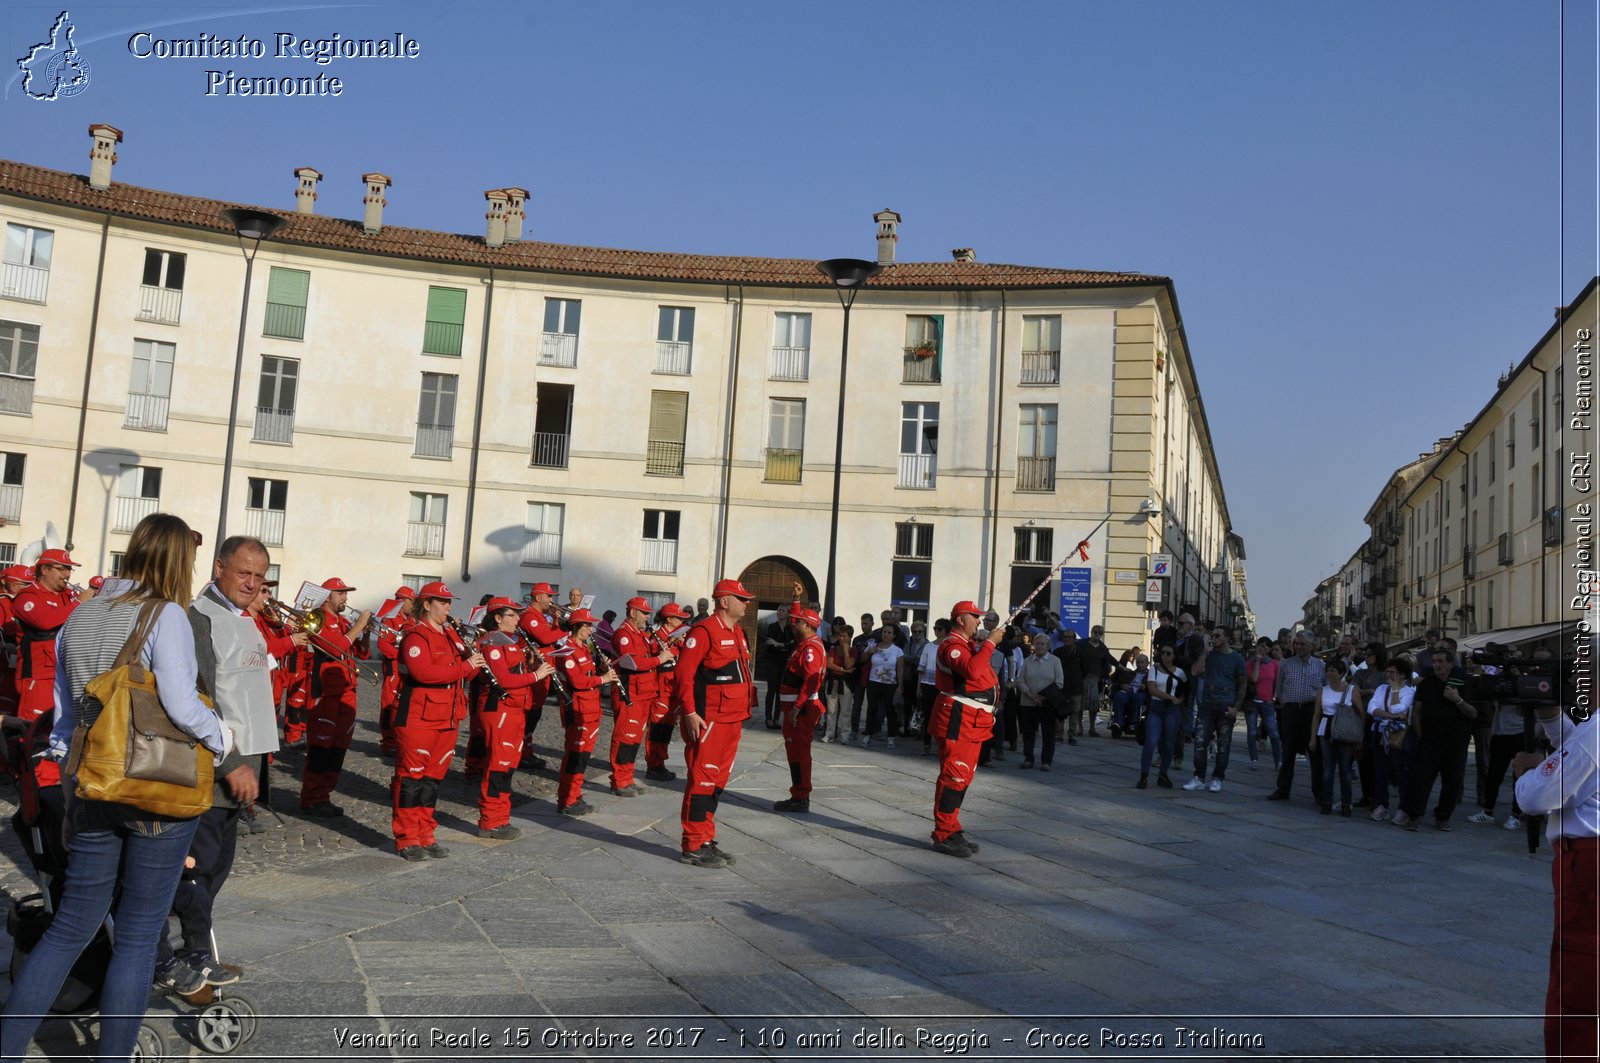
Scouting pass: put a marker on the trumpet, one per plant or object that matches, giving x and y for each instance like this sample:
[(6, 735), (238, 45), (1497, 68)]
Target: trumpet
[(559, 614), (288, 617)]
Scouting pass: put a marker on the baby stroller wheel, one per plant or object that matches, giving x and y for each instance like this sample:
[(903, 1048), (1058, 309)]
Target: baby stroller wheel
[(248, 1016), (219, 1028), (148, 1047)]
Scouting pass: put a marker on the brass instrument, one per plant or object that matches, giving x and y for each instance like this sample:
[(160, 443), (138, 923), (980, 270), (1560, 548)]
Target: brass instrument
[(470, 639), (559, 685), (558, 614), (288, 617)]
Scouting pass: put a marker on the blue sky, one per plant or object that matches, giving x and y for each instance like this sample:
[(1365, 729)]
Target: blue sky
[(1360, 204)]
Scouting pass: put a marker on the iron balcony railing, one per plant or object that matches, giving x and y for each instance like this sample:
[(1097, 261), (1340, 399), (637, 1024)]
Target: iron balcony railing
[(663, 459), (16, 393), (672, 356), (130, 511), (424, 539), (1041, 367), (542, 548), (918, 470), (791, 363), (28, 283), (1036, 474), (147, 412), (11, 503), (550, 449), (265, 524), (442, 337), (659, 556), (919, 369), (273, 426), (559, 348), (285, 321), (159, 304), (434, 440), (783, 465)]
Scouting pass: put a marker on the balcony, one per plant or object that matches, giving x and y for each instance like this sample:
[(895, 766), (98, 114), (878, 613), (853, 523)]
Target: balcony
[(672, 357), (1036, 474), (130, 511), (442, 337), (663, 459), (919, 369), (1505, 548), (11, 503), (16, 394), (27, 283), (783, 466), (542, 549), (1469, 562), (147, 412), (550, 449), (159, 304), (285, 321), (265, 524), (659, 556), (791, 363), (434, 440), (1041, 367), (273, 426), (918, 471), (559, 348), (424, 539)]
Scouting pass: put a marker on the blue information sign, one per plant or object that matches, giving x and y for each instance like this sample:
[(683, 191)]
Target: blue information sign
[(1075, 600)]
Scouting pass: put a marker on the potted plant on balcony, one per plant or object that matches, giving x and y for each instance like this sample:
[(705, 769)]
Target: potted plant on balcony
[(925, 349)]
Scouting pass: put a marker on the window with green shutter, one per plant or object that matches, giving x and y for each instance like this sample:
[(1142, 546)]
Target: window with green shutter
[(286, 303), (447, 316)]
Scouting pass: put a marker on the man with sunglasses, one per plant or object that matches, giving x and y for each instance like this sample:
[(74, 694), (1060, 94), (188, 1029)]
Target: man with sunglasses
[(1221, 697)]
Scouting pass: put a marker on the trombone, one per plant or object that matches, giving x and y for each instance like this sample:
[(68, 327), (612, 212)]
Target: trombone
[(287, 616)]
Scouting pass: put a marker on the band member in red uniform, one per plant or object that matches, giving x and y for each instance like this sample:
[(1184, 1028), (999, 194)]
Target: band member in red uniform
[(13, 581), (639, 656), (297, 694), (800, 699), (717, 691), (501, 704), (541, 636), (664, 711), (581, 718), (40, 611), (390, 632), (331, 721), (281, 641), (432, 703), (960, 730)]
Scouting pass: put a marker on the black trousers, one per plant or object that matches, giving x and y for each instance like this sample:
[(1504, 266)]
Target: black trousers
[(1443, 758), (1040, 718), (1295, 721), (215, 843)]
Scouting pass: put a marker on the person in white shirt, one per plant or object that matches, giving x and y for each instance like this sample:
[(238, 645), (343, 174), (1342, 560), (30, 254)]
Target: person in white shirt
[(1168, 689), (1038, 683), (1389, 710), (883, 679)]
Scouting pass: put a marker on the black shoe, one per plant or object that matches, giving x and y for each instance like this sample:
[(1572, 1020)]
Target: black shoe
[(1441, 824), (1163, 782), (968, 842), (660, 774), (1026, 764), (1143, 783), (502, 833), (729, 857), (1277, 795), (414, 853), (1045, 766), (437, 851), (580, 807), (1326, 810), (533, 763), (213, 972), (953, 846), (705, 856), (1116, 731), (1072, 741), (323, 810), (633, 789), (1345, 812), (176, 976), (793, 804)]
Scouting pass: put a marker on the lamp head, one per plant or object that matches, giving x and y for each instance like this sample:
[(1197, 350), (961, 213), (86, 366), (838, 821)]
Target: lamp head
[(849, 272), (252, 224)]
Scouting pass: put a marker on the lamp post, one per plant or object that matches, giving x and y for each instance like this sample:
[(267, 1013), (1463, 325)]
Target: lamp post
[(1444, 614), (255, 226), (848, 276)]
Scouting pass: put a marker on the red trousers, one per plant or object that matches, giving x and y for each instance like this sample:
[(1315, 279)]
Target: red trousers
[(423, 758), (709, 764), (799, 728), (960, 731), (502, 735), (659, 733), (329, 727), (36, 698), (581, 721), (1573, 999), (294, 711), (627, 734)]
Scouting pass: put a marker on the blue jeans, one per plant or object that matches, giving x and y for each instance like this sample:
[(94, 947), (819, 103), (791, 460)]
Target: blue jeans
[(1161, 723), (1336, 760), (1213, 722), (1269, 719), (122, 851)]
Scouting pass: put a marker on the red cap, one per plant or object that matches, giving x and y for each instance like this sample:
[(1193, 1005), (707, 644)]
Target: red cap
[(404, 594), (637, 602), (673, 609), (726, 587), (540, 588), (805, 616), (96, 582), (269, 583), (19, 573), (961, 609), (436, 589), (579, 616), (55, 557), (494, 605), (336, 584)]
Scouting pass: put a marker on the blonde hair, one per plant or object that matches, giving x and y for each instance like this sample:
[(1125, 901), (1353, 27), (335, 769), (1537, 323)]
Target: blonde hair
[(160, 560)]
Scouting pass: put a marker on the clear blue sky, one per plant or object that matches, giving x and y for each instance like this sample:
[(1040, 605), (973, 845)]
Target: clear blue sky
[(1360, 203)]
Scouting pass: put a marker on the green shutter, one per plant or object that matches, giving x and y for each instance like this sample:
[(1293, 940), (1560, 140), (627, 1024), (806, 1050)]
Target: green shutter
[(447, 316), (286, 303)]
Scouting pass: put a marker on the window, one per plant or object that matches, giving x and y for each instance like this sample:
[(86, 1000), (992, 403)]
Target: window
[(447, 317), (1034, 546), (265, 508), (27, 265), (1492, 530), (286, 303), (117, 558), (425, 526), (1474, 475), (659, 543), (138, 496), (1535, 486), (161, 289), (280, 377), (274, 573), (8, 553), (924, 349), (1511, 443), (12, 467), (560, 346), (674, 339), (150, 390), (1533, 419), (416, 581), (1036, 448), (669, 416), (552, 425), (914, 540), (1041, 349), (786, 432), (791, 346), (19, 362), (657, 600), (436, 416), (1491, 457), (919, 444), (543, 528)]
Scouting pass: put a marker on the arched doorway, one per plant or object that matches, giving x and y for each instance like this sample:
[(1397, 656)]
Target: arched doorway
[(772, 581)]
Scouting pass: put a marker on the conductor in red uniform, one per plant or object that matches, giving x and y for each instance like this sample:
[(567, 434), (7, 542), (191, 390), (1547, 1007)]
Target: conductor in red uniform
[(432, 704), (331, 719), (960, 730), (800, 700), (500, 697), (716, 690), (664, 712), (639, 655), (40, 611), (541, 636)]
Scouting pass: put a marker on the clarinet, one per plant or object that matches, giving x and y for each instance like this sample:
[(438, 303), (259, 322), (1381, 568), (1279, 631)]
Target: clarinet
[(563, 695), (471, 642), (605, 665)]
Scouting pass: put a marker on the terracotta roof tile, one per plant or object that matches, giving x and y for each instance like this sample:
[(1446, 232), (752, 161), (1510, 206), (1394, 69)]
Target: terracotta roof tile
[(55, 186)]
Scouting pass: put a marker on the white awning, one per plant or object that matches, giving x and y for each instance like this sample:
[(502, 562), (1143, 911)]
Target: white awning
[(1508, 636)]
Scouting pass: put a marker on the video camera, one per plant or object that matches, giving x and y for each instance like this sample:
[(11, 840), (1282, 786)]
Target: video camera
[(1511, 679)]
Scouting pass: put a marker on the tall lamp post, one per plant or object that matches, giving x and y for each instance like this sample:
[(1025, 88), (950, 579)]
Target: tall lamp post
[(848, 276), (255, 226)]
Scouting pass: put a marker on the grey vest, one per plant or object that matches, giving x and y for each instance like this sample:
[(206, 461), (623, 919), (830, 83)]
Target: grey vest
[(242, 689)]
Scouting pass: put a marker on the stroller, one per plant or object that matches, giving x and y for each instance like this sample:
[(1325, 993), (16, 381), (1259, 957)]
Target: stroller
[(221, 1024)]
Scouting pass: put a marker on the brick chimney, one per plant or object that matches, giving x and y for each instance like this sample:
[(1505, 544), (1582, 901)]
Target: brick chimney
[(305, 194), (496, 234), (963, 254), (888, 235), (374, 201), (103, 155), (517, 198)]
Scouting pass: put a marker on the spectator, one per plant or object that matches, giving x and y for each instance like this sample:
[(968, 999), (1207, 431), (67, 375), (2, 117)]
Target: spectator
[(1163, 717), (863, 645), (1260, 713), (1006, 661), (891, 619), (1190, 647), (1038, 686), (1335, 755), (910, 677), (1098, 665), (1072, 684), (1299, 688), (928, 681), (1444, 720), (883, 680), (1165, 634), (841, 681), (1505, 742), (702, 609), (776, 645), (1389, 710), (1222, 697), (1127, 700), (1366, 677)]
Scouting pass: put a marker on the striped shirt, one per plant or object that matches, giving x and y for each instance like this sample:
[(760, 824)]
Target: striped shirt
[(1299, 680)]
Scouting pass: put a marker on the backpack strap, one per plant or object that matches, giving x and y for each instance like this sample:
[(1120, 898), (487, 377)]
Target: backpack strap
[(142, 628)]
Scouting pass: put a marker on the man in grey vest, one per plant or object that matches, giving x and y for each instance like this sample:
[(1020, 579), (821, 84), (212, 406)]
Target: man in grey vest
[(235, 670)]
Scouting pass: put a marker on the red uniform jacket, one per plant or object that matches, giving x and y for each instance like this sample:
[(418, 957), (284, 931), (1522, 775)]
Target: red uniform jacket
[(40, 614), (505, 657), (638, 674), (578, 672), (803, 675), (715, 658), (435, 665), (538, 628), (336, 676), (281, 647), (963, 669)]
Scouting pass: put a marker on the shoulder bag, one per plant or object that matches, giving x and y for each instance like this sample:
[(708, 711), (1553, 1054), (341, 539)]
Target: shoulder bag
[(1346, 725)]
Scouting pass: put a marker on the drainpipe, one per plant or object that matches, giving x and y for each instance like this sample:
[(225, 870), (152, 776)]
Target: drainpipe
[(477, 432), (994, 470), (88, 371), (727, 434), (1538, 526)]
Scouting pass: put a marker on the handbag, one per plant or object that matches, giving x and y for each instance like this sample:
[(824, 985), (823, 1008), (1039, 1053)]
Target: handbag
[(133, 753), (1346, 725)]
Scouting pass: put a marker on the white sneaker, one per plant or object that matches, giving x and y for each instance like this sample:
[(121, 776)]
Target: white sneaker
[(1216, 786), (1380, 813), (1338, 807), (1480, 817), (1195, 783), (1512, 823), (1400, 819), (889, 742), (1254, 764)]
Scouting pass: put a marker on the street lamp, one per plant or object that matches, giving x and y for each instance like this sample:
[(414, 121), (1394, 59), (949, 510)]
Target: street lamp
[(848, 276), (1444, 614), (255, 226)]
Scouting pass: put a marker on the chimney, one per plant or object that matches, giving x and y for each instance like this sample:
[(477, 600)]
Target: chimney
[(103, 154), (305, 194), (516, 199), (374, 201), (963, 254), (496, 234), (888, 235)]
